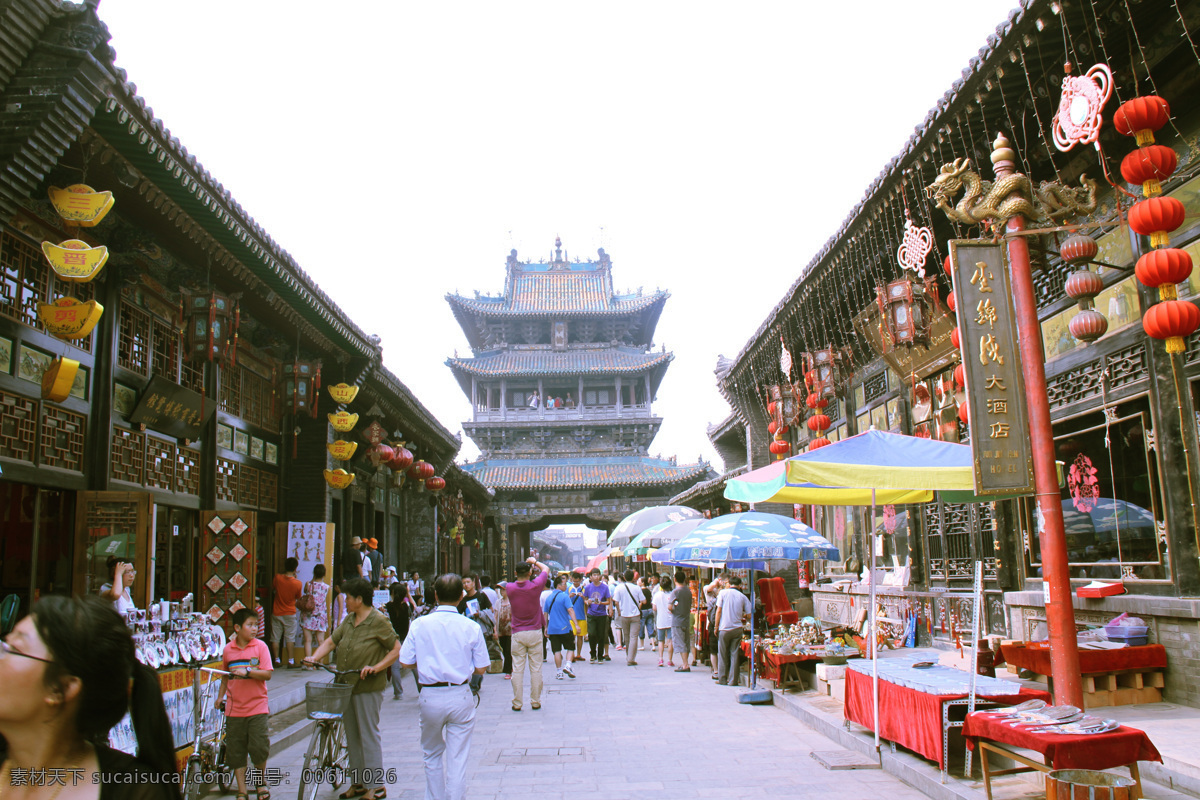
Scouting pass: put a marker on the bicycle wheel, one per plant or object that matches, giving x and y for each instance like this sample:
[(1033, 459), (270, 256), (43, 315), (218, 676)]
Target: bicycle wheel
[(225, 776), (191, 778), (311, 770), (339, 754)]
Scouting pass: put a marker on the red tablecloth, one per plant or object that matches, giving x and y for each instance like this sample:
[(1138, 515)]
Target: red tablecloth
[(1098, 751), (1037, 659), (908, 717), (768, 663)]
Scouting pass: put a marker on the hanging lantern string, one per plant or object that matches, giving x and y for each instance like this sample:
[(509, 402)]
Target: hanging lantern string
[(1103, 49), (1104, 379), (1141, 51), (1186, 34), (1036, 114)]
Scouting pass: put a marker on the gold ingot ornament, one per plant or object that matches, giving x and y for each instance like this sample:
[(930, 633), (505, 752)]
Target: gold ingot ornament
[(80, 204), (75, 260), (58, 379), (338, 478), (343, 393), (343, 421), (342, 450), (68, 318)]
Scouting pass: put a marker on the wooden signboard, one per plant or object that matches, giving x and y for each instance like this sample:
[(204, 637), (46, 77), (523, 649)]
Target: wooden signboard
[(172, 409)]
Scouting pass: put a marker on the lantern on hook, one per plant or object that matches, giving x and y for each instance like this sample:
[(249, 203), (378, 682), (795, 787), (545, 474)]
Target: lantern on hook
[(825, 374), (1082, 286), (906, 309), (301, 385), (1171, 319), (435, 484), (210, 322)]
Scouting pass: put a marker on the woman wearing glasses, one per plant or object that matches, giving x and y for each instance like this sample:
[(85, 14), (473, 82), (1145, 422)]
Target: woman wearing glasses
[(120, 577), (69, 675)]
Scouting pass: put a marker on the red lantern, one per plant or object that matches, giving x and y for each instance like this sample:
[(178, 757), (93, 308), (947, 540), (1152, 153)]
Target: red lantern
[(1083, 283), (810, 377), (946, 265), (780, 448), (1165, 267), (402, 459), (772, 426), (951, 302), (960, 376), (963, 414), (955, 339), (818, 443), (818, 423), (815, 401), (1088, 325), (1172, 320), (1156, 217), (435, 484), (380, 454), (1141, 117), (1078, 249), (1148, 166)]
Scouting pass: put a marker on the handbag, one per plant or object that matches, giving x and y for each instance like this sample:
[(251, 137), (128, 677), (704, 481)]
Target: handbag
[(306, 602)]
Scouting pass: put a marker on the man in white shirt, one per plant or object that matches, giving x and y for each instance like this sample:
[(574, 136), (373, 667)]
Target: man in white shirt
[(628, 600), (485, 582), (446, 649), (733, 609)]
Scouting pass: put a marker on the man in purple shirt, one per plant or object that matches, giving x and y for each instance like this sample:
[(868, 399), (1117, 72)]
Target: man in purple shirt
[(598, 600), (524, 595)]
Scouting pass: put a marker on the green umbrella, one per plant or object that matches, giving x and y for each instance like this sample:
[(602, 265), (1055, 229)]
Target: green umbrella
[(121, 545)]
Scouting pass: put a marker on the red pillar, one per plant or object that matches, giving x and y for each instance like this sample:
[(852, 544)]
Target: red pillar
[(1060, 614)]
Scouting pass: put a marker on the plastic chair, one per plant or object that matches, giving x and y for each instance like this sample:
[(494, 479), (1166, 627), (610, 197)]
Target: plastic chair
[(775, 602)]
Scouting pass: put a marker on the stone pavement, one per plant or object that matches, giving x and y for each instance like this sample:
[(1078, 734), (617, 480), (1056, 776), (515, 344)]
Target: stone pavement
[(619, 732)]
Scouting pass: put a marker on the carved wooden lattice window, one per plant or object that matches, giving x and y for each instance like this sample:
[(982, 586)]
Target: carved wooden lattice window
[(231, 391), (160, 458), (24, 280), (128, 462), (875, 386), (191, 375), (247, 486), (227, 480), (187, 471), (133, 339), (1127, 366), (268, 491), (18, 427), (63, 434), (164, 353), (1075, 385), (257, 400)]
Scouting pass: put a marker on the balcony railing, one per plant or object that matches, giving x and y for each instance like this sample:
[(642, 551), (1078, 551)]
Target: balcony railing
[(585, 414)]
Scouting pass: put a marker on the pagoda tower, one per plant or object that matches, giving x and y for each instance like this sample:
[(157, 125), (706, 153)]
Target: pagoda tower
[(559, 332)]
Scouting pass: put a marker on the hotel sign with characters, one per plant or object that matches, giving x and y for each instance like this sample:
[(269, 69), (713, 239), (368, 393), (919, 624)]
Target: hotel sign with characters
[(995, 390)]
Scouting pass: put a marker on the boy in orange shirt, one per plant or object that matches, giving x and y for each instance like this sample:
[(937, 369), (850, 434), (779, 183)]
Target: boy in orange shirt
[(248, 659)]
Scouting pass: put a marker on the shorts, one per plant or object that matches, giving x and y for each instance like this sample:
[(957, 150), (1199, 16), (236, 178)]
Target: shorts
[(286, 627), (662, 634), (712, 637), (246, 735), (579, 626), (561, 641), (681, 637)]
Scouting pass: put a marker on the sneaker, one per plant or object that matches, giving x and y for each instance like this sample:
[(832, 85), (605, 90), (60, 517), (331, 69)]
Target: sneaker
[(605, 658), (594, 661), (660, 663), (568, 673), (620, 648), (558, 676)]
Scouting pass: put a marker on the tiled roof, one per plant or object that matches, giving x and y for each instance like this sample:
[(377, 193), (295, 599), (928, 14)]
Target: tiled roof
[(561, 293), (609, 361), (563, 473)]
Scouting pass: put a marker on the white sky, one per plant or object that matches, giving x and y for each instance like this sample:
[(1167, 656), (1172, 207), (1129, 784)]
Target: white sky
[(398, 150)]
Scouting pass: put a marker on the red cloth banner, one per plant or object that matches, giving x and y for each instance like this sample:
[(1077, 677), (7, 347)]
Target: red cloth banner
[(1063, 751), (1037, 659)]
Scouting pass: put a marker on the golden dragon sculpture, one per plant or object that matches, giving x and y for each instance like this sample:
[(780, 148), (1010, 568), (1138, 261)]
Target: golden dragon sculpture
[(997, 202)]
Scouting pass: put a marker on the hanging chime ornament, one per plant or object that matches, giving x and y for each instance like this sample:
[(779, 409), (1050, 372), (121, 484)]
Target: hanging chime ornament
[(915, 247), (1171, 319), (1078, 119), (1082, 286)]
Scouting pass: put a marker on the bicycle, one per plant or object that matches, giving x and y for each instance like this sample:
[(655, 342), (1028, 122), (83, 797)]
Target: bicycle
[(206, 765), (328, 756)]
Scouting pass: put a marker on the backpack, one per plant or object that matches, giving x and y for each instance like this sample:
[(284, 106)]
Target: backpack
[(306, 602)]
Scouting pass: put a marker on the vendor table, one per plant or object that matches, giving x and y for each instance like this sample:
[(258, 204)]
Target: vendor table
[(915, 719), (1122, 747), (1037, 659), (784, 670)]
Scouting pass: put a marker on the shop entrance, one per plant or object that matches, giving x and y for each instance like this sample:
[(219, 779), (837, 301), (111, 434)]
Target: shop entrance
[(176, 532), (35, 541), (956, 535), (113, 524)]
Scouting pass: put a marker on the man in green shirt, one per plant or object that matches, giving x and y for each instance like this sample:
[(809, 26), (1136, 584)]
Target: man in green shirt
[(364, 642)]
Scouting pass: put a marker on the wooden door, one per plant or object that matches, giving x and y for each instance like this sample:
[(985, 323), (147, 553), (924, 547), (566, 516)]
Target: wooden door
[(113, 524)]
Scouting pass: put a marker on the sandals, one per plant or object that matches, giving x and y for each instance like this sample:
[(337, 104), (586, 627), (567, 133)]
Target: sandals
[(241, 796), (263, 793), (350, 793), (535, 706), (516, 707), (379, 795)]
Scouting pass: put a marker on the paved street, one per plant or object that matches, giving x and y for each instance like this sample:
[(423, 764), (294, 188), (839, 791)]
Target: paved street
[(619, 732)]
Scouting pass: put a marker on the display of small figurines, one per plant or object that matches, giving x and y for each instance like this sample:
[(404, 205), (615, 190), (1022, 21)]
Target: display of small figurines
[(182, 639)]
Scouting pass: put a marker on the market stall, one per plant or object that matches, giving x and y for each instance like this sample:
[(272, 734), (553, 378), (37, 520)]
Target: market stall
[(1122, 747)]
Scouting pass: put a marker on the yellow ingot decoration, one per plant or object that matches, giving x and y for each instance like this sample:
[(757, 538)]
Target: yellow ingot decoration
[(58, 379), (343, 393), (338, 478), (68, 318), (342, 450), (75, 260), (81, 204), (343, 421)]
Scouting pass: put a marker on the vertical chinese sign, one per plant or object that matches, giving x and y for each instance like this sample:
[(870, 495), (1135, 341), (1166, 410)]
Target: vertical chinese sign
[(987, 329)]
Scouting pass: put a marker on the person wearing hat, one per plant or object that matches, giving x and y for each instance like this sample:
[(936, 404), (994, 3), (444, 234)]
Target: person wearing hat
[(372, 562), (389, 577), (352, 560)]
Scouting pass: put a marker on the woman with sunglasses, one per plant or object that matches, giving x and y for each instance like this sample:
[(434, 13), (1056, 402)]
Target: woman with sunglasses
[(69, 675)]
